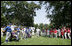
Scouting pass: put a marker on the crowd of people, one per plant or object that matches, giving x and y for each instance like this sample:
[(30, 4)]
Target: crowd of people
[(17, 32), (64, 32)]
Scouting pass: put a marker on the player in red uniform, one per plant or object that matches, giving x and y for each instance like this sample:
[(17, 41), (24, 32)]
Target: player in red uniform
[(55, 32), (68, 31), (62, 33), (65, 33), (51, 33)]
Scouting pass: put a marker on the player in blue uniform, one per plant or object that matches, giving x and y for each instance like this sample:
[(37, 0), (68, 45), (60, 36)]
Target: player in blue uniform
[(8, 32)]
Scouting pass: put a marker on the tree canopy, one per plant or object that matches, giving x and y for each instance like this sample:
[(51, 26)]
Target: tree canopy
[(18, 12), (61, 11)]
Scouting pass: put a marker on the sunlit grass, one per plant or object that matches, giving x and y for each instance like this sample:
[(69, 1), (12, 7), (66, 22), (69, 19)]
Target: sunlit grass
[(39, 41)]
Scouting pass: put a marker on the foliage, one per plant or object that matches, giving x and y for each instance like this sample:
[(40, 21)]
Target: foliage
[(61, 11), (19, 12)]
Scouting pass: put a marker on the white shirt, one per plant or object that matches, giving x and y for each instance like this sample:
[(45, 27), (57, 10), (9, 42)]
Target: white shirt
[(32, 28), (2, 29), (58, 30), (48, 32), (12, 27), (24, 29), (37, 30)]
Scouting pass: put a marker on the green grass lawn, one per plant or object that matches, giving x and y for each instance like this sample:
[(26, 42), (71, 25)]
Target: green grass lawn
[(39, 41)]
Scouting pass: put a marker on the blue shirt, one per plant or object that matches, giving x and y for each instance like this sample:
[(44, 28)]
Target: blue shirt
[(29, 30), (18, 29), (8, 29), (43, 31), (26, 30)]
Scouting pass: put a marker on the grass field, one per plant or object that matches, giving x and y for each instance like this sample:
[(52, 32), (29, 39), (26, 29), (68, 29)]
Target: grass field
[(39, 41)]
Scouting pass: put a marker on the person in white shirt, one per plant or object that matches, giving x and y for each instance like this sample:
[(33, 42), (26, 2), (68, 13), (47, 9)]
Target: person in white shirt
[(22, 31), (1, 32), (68, 33), (25, 34), (12, 27), (32, 30), (48, 32), (59, 32), (37, 32)]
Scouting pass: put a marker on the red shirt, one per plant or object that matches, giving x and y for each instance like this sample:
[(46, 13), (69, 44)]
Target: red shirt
[(68, 31), (65, 30), (51, 31), (62, 33), (55, 31)]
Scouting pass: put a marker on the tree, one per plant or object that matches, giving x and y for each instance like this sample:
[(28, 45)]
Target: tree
[(35, 25), (3, 11), (41, 26), (61, 12), (46, 26), (3, 20), (19, 12)]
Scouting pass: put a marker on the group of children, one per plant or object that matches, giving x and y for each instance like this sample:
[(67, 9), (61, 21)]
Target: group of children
[(25, 32), (64, 32), (15, 32)]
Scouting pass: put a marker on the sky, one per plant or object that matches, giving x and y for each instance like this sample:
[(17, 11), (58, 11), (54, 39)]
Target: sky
[(40, 15)]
